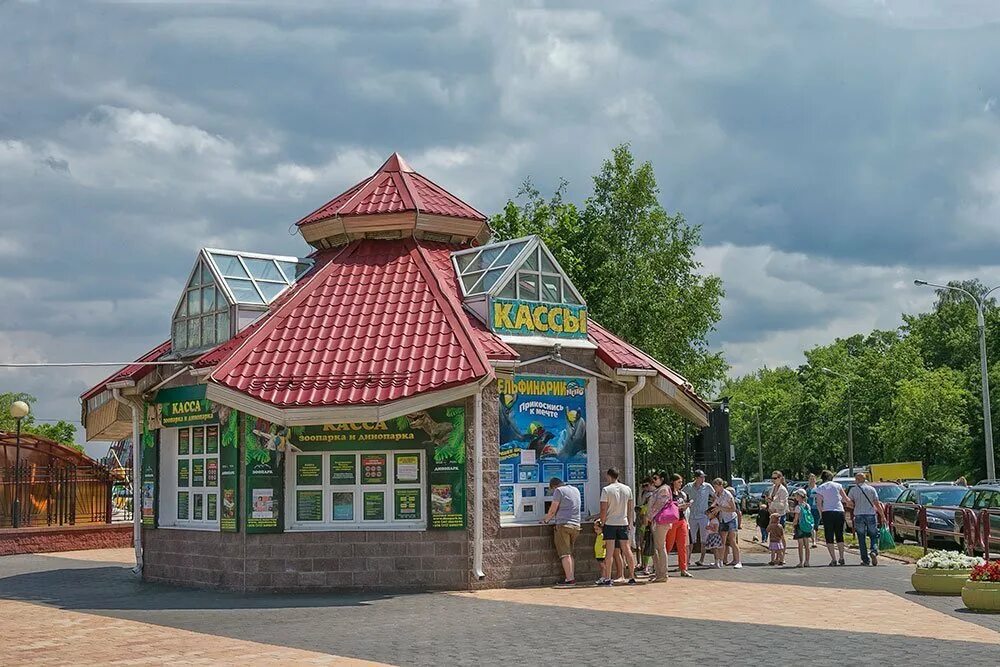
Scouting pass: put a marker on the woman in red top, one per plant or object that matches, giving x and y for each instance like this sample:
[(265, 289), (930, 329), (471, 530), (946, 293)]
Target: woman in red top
[(678, 533)]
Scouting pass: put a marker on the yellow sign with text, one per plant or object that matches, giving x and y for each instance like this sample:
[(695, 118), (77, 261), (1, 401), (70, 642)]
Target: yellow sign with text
[(528, 318)]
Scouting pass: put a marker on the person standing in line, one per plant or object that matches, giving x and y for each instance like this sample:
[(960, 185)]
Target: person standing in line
[(564, 512), (777, 497), (643, 528), (776, 540), (617, 517), (867, 511), (725, 502), (763, 520), (811, 498), (804, 526), (701, 496), (831, 500), (678, 534), (661, 498)]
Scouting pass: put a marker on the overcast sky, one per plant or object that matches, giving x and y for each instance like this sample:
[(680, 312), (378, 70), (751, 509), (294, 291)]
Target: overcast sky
[(831, 150)]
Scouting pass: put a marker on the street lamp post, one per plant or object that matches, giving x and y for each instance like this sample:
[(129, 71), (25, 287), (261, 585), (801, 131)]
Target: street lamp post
[(850, 421), (760, 451), (981, 325), (18, 410)]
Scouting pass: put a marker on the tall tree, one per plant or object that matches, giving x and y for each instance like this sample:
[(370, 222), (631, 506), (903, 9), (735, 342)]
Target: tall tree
[(635, 265)]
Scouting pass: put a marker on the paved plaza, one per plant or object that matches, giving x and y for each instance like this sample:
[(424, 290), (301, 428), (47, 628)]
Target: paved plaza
[(86, 608)]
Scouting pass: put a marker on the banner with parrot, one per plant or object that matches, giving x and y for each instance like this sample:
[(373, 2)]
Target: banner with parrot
[(543, 434)]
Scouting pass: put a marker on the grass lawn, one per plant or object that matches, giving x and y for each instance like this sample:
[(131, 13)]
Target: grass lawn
[(908, 551)]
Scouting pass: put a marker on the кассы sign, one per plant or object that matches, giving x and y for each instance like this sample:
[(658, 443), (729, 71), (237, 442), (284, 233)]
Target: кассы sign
[(528, 318)]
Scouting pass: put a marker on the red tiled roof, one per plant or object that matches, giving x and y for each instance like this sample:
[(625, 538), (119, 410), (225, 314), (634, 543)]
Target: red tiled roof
[(372, 325), (134, 372), (616, 353), (440, 259), (394, 188)]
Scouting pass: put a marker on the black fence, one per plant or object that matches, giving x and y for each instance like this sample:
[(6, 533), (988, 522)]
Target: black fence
[(63, 495)]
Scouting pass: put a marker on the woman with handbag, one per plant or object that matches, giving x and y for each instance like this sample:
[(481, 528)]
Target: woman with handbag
[(662, 513), (678, 533)]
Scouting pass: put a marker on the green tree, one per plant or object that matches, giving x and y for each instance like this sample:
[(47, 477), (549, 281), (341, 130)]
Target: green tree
[(927, 421), (61, 431), (636, 268)]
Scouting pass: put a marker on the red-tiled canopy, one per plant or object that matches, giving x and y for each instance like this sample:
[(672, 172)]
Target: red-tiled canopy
[(372, 325), (394, 188)]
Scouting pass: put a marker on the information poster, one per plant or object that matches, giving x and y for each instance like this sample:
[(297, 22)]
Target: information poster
[(343, 506), (527, 474), (506, 473), (342, 469), (184, 441), (149, 467), (506, 500), (373, 469), (212, 507), (211, 439), (407, 468), (550, 470), (183, 472), (266, 446), (229, 466), (212, 472), (309, 506), (407, 504), (198, 440), (374, 506), (197, 472), (309, 470), (183, 505), (199, 505), (543, 431)]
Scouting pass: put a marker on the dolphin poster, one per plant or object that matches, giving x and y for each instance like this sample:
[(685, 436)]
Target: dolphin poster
[(543, 434)]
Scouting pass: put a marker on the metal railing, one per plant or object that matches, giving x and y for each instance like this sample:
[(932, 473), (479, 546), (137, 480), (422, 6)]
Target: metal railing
[(975, 529), (57, 495)]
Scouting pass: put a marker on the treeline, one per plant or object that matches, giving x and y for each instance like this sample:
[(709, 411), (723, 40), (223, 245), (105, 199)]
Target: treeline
[(914, 392)]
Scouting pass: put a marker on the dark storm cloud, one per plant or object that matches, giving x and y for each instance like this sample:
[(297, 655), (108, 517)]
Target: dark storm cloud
[(823, 146)]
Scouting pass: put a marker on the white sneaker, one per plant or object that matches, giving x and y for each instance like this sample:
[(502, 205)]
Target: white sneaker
[(738, 566)]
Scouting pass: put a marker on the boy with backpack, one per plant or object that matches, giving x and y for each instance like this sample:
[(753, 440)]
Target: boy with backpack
[(805, 524)]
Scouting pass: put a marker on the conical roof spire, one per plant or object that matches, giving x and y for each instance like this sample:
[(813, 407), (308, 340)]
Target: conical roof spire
[(394, 202)]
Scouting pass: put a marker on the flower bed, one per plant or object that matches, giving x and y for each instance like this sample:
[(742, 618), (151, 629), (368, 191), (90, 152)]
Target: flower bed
[(982, 591), (943, 573)]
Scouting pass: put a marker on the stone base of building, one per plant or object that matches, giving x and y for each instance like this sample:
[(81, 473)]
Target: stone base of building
[(45, 539), (353, 562)]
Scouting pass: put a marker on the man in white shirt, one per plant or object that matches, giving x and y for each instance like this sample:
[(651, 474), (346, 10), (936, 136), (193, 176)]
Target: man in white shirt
[(866, 507), (617, 519)]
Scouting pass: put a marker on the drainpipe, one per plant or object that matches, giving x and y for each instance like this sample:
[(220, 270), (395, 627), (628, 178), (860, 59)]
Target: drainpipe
[(630, 431), (477, 538), (136, 475)]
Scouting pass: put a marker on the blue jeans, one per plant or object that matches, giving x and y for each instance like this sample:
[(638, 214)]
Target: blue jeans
[(865, 526)]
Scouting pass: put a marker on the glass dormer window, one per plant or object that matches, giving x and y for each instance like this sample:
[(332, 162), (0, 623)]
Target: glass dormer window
[(224, 284), (519, 269)]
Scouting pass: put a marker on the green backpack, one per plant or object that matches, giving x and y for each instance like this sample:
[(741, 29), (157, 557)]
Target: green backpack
[(806, 523)]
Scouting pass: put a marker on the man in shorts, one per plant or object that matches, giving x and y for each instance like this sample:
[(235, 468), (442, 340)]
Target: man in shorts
[(701, 496), (564, 512), (617, 519)]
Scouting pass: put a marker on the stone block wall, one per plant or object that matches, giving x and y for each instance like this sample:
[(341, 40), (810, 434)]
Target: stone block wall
[(46, 539)]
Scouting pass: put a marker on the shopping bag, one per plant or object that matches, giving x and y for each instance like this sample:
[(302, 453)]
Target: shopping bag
[(885, 541)]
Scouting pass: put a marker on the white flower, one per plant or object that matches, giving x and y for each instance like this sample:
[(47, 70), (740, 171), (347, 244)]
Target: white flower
[(948, 560)]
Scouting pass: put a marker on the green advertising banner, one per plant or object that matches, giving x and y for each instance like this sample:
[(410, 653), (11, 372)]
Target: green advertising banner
[(197, 472), (265, 446), (531, 318), (213, 507), (447, 472), (149, 457), (212, 440), (229, 471), (407, 504), (185, 406), (342, 469), (183, 509), (183, 473)]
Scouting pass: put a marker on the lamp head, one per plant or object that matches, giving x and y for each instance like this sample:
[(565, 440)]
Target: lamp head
[(919, 283), (19, 409)]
